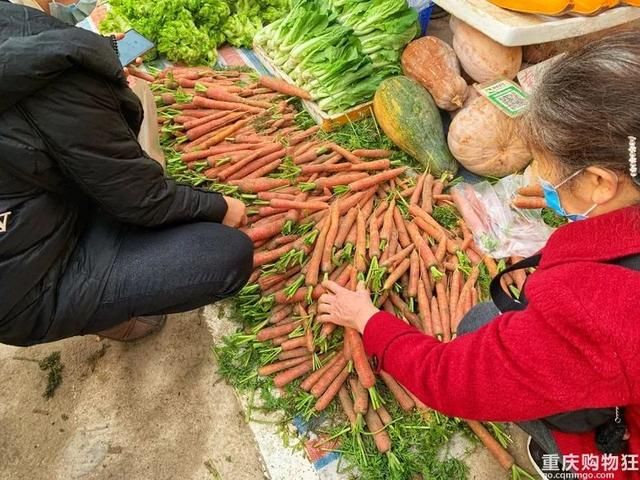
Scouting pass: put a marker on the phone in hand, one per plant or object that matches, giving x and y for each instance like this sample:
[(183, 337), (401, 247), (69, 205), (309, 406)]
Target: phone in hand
[(132, 46)]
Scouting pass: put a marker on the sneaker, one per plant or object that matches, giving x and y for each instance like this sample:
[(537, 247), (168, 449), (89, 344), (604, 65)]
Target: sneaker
[(135, 328)]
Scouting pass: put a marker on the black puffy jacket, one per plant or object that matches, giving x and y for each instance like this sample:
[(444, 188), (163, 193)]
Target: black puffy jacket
[(69, 153)]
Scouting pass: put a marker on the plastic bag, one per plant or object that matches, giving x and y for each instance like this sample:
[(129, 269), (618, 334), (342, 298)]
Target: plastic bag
[(498, 228)]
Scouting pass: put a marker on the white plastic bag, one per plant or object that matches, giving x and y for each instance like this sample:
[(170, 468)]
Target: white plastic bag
[(499, 229)]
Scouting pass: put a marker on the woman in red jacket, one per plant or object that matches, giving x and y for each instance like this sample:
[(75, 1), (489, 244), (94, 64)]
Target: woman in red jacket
[(573, 347)]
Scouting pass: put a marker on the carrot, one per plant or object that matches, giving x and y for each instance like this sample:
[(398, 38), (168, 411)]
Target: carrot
[(360, 397), (331, 392), (218, 105), (288, 376), (253, 169), (361, 243), (504, 458), (256, 185), (324, 168), (397, 273), (347, 405), (268, 256), (328, 376), (280, 316), (384, 415), (403, 308), (392, 248), (443, 307), (267, 169), (141, 74), (426, 202), (534, 190), (373, 180), (300, 137), (293, 343), (266, 150), (273, 332), (216, 93), (492, 266), (345, 227), (222, 134), (424, 309), (360, 360), (265, 195), (398, 391), (387, 224), (327, 329), (370, 166), (342, 179), (435, 319), (279, 366), (402, 254), (454, 292), (403, 235), (529, 203), (217, 150), (345, 153), (414, 274), (298, 205), (375, 426), (417, 193), (205, 119), (327, 257), (266, 231), (374, 238), (281, 86), (313, 267), (364, 153), (441, 251), (423, 249), (312, 379)]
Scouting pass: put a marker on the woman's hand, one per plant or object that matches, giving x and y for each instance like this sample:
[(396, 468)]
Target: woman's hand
[(236, 213), (345, 307)]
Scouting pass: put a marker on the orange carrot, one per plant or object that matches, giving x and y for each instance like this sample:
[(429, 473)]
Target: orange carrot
[(331, 392), (266, 150), (435, 319), (253, 169), (364, 153), (427, 191), (373, 180), (417, 193), (441, 251), (288, 376), (360, 360), (397, 273), (266, 231), (203, 120), (454, 292), (281, 315), (414, 275), (504, 458), (529, 203), (384, 415), (141, 74), (298, 205), (398, 391), (347, 405), (424, 309), (534, 190), (255, 185), (345, 153), (203, 102), (293, 343), (399, 256), (300, 137), (341, 179), (313, 267), (279, 366), (387, 224), (374, 238), (361, 243), (324, 168), (217, 93), (328, 376), (375, 426), (345, 227), (403, 235), (281, 86), (222, 134), (360, 397), (327, 257), (370, 166), (443, 307), (267, 169), (423, 249), (273, 332), (220, 149)]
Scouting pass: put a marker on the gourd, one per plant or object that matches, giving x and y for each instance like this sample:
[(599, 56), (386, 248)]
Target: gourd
[(486, 141), (408, 115), (482, 58), (433, 64)]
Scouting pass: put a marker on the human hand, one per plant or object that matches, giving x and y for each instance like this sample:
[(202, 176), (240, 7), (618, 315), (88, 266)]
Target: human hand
[(345, 307), (138, 61), (236, 213)]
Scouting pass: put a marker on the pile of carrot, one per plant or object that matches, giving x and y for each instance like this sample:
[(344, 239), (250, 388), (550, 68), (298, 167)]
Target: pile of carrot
[(320, 211)]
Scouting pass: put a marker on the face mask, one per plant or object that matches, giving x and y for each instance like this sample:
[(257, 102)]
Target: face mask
[(74, 13), (552, 198)]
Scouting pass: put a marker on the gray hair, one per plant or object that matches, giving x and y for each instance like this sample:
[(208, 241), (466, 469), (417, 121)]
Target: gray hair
[(588, 104)]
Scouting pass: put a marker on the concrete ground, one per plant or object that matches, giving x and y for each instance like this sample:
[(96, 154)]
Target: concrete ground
[(152, 410)]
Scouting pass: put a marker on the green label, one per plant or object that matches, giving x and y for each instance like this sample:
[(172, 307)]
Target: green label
[(506, 96)]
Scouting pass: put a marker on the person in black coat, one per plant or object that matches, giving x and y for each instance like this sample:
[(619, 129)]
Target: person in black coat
[(93, 237)]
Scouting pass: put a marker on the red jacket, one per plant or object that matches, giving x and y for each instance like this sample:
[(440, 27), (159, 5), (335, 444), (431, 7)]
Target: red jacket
[(576, 346)]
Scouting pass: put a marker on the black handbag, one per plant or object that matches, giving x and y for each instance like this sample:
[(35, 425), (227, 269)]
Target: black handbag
[(607, 423)]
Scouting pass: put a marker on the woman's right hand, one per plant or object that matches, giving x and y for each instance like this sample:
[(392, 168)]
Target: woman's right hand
[(236, 216)]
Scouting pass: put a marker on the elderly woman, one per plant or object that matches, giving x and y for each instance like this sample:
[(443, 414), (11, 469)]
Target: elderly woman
[(93, 237), (564, 361)]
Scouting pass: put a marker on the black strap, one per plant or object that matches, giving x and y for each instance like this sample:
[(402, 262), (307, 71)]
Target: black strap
[(503, 300)]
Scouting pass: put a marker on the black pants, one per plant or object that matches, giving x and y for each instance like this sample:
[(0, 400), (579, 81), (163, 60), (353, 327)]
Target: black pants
[(168, 270), (477, 318)]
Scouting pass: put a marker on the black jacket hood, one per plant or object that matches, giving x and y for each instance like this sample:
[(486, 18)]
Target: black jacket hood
[(35, 48)]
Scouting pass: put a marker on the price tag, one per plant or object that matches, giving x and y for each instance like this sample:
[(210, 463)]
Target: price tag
[(507, 96)]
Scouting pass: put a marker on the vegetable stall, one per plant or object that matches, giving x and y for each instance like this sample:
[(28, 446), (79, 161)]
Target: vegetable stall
[(373, 200)]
